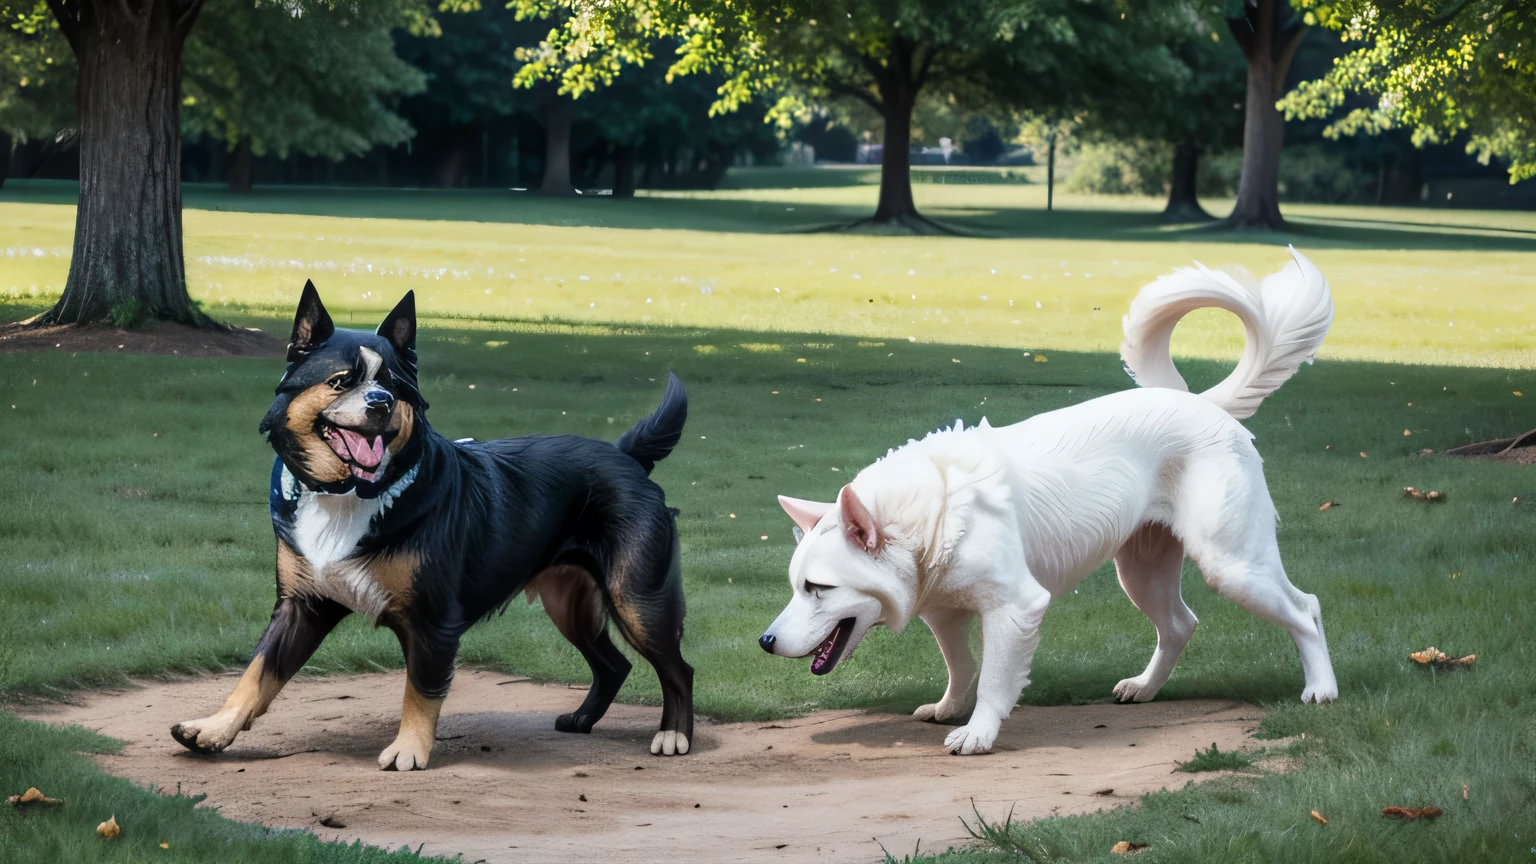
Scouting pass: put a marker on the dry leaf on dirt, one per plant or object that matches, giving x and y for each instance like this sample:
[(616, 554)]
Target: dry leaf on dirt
[(1328, 505), (109, 829), (1434, 656), (31, 796), (1411, 813), (1126, 847), (1319, 817)]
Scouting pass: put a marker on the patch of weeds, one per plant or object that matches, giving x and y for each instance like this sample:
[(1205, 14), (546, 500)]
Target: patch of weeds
[(126, 315), (1215, 759)]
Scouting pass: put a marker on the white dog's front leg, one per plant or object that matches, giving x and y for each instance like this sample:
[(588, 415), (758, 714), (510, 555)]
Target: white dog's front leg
[(1009, 636), (952, 629)]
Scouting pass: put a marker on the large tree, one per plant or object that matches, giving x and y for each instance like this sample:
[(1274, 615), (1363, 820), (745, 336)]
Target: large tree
[(127, 260), (1269, 32), (1440, 68), (1031, 53), (1196, 111)]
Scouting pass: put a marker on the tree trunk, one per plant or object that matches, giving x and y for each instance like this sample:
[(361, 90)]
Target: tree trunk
[(5, 157), (1183, 191), (624, 171), (127, 259), (896, 157), (240, 168), (1050, 173), (557, 147), (1269, 40)]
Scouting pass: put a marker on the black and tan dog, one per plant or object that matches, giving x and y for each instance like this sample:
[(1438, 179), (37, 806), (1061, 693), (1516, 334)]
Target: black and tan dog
[(375, 513)]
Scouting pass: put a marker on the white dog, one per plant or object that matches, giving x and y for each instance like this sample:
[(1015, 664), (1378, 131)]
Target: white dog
[(996, 522)]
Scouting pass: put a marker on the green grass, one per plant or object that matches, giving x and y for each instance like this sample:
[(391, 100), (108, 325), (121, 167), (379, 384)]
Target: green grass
[(134, 523)]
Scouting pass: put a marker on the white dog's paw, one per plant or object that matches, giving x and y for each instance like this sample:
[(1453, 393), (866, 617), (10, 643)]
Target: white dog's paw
[(669, 744), (942, 712), (210, 734), (971, 740), (1320, 694), (407, 753), (1135, 689)]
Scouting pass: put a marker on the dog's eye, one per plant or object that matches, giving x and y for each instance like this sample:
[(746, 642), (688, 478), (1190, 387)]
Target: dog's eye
[(340, 381), (815, 590)]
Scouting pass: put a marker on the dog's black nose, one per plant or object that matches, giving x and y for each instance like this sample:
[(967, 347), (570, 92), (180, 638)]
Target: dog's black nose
[(380, 403), (767, 642)]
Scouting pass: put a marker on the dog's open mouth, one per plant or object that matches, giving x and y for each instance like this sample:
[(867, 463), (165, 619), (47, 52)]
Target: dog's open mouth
[(363, 454), (831, 650)]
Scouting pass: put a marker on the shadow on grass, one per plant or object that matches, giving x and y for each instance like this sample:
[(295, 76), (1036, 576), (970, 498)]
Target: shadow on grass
[(717, 213)]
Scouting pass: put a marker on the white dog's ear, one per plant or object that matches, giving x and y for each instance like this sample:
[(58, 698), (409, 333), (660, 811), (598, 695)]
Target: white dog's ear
[(858, 524), (805, 513), (799, 535)]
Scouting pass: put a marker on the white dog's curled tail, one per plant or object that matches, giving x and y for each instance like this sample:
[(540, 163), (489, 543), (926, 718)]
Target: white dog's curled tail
[(1285, 316)]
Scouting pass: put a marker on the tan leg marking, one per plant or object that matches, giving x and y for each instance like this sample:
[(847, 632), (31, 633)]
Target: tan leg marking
[(571, 600), (250, 700), (293, 574), (396, 574), (418, 730)]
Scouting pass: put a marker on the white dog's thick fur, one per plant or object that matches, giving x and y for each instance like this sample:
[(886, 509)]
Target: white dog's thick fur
[(996, 522)]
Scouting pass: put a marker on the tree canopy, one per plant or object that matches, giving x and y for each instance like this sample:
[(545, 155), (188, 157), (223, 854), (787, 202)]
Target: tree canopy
[(320, 79), (1438, 67)]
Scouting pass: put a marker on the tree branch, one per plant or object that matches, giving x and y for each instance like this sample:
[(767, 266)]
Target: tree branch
[(69, 24), (188, 17), (843, 88), (922, 72)]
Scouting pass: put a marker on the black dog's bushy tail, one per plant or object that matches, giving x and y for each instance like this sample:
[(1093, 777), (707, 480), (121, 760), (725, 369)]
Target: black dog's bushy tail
[(650, 440)]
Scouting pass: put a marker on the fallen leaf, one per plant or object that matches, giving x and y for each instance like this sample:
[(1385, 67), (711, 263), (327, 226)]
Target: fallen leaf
[(1463, 791), (164, 845), (1434, 656), (1427, 451), (31, 796), (1328, 505), (1040, 358), (1410, 492), (1411, 813), (1363, 455), (1407, 433), (109, 829), (1319, 817), (1428, 655), (1126, 847)]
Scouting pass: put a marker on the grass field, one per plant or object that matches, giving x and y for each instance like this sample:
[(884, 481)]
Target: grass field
[(136, 539)]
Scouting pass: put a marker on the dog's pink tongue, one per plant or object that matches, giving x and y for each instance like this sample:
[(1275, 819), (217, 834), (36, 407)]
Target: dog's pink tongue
[(364, 453)]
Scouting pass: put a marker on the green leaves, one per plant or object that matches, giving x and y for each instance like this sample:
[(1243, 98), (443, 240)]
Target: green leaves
[(1440, 68)]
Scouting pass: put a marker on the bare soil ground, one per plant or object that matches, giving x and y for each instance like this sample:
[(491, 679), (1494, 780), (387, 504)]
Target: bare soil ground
[(155, 337), (505, 786)]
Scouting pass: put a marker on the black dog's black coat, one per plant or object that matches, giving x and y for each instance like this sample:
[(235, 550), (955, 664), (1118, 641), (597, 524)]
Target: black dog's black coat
[(469, 525)]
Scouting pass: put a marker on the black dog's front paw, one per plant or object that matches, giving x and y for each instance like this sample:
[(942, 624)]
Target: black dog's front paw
[(573, 722)]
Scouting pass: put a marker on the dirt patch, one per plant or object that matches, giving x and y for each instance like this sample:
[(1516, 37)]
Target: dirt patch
[(504, 786), (1519, 450), (155, 337)]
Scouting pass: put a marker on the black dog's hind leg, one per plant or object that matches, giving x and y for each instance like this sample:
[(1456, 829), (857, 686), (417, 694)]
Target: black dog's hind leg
[(653, 623), (572, 600), (298, 626), (429, 655)]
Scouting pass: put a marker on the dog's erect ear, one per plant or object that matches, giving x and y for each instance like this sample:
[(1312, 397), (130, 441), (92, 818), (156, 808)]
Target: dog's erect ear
[(311, 324), (858, 524), (805, 513), (799, 535), (399, 326)]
